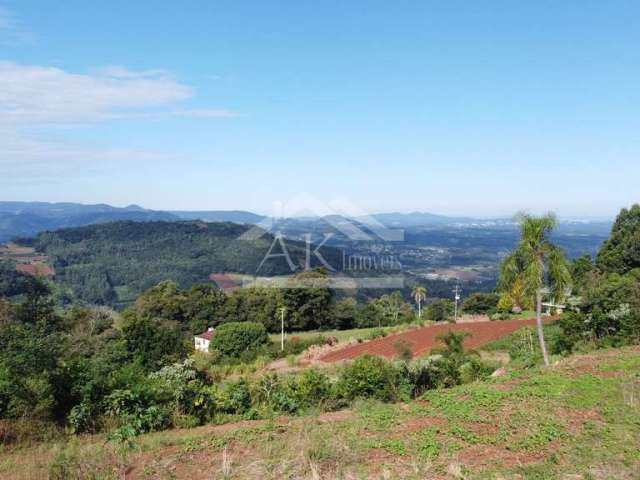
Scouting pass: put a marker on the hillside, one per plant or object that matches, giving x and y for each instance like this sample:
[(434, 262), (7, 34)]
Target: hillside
[(112, 263), (24, 219), (576, 420), (235, 216)]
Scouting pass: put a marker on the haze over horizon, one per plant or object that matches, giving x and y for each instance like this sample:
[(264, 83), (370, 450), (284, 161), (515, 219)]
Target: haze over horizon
[(441, 107)]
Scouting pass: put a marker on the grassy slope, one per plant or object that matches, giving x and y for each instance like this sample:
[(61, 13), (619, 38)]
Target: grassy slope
[(341, 335), (579, 418)]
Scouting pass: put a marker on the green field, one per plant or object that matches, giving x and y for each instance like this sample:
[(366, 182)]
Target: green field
[(577, 420), (341, 335)]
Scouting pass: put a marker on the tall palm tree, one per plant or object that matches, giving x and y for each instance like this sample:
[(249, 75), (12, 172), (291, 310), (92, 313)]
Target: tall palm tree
[(419, 295), (534, 265)]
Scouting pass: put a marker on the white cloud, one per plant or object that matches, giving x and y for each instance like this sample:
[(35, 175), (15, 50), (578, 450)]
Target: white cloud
[(23, 150), (48, 95), (41, 97)]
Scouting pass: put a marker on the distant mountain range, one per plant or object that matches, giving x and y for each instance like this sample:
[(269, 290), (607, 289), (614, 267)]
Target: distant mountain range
[(235, 216), (27, 219)]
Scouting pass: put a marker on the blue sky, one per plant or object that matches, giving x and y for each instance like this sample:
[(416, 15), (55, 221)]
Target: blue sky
[(454, 107)]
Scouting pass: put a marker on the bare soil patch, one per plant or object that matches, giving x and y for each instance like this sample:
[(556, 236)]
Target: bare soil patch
[(423, 340)]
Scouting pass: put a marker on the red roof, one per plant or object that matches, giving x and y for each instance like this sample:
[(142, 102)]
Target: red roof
[(206, 335)]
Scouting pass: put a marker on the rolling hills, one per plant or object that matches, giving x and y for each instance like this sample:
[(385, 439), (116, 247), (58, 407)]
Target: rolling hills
[(112, 263)]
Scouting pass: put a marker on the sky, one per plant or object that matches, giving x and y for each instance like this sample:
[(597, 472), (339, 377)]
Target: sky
[(452, 107)]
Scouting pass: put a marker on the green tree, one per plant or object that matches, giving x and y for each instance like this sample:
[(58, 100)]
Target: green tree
[(38, 307), (582, 268), (419, 294), (164, 300), (368, 315), (481, 303), (7, 312), (203, 307), (609, 312), (344, 313), (535, 263), (621, 252), (440, 310), (234, 338), (153, 342), (393, 308), (254, 304), (308, 301)]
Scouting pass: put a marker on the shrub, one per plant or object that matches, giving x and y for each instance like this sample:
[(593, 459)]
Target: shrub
[(440, 310), (372, 377), (235, 397), (609, 314), (376, 333), (277, 395), (420, 375), (476, 369), (505, 304), (481, 303), (403, 349), (453, 357), (234, 338), (313, 387), (81, 418)]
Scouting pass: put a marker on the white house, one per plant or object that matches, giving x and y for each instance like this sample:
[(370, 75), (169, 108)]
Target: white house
[(202, 340)]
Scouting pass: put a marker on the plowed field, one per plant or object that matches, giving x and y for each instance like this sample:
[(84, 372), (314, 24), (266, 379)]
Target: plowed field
[(422, 340)]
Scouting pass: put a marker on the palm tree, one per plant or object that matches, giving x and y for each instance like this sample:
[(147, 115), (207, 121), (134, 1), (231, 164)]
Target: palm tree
[(419, 295), (534, 265)]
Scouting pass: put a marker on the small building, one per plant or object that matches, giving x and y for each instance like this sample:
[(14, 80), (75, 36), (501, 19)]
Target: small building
[(202, 340)]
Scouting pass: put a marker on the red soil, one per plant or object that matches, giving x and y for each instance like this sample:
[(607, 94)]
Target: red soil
[(35, 269), (423, 340)]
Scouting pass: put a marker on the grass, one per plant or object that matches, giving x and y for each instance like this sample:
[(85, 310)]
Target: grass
[(525, 314), (579, 418), (523, 346), (365, 333), (341, 335)]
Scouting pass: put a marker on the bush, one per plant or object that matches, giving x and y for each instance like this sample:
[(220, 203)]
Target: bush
[(609, 314), (481, 303), (276, 395), (372, 377), (137, 411), (453, 357), (477, 369), (505, 304), (235, 338), (313, 387), (420, 375), (440, 310), (376, 333), (235, 397), (81, 418), (403, 349)]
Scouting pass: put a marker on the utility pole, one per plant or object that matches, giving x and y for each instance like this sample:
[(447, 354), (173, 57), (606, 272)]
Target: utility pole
[(457, 291), (282, 310)]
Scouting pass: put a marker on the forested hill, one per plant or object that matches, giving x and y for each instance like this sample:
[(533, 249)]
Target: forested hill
[(112, 263)]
